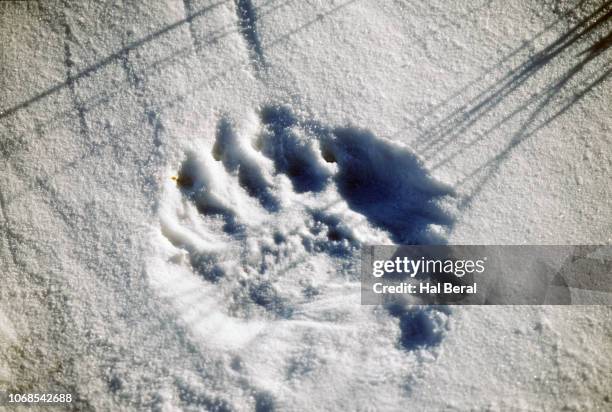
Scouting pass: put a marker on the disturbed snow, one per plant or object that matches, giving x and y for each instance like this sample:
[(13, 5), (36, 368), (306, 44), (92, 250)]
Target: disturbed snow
[(187, 185)]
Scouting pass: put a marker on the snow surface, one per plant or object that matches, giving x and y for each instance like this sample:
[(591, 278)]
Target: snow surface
[(185, 185)]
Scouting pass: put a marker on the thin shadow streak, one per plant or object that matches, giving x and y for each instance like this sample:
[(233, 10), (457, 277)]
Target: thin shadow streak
[(496, 162), (7, 146), (106, 61), (593, 52), (468, 114)]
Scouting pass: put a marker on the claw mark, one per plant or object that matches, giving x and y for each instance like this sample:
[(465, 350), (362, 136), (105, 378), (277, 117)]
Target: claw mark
[(236, 158), (189, 16), (292, 151), (69, 66), (247, 20)]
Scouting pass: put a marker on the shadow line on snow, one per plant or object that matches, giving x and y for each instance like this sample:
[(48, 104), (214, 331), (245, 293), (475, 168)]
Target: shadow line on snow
[(584, 42), (92, 69), (13, 144)]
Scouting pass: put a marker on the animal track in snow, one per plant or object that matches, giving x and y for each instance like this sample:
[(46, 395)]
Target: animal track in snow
[(420, 327), (276, 192)]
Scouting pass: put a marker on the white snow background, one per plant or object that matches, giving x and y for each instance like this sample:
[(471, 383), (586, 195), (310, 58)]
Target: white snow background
[(185, 185)]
